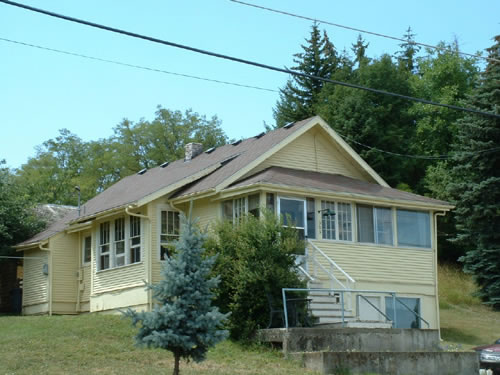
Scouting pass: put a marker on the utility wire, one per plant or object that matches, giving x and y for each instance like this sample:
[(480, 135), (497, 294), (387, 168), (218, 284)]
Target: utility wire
[(362, 31), (136, 66), (437, 157), (243, 61)]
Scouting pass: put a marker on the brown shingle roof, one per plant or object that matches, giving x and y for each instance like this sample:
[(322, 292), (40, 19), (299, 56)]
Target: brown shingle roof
[(332, 183), (137, 186)]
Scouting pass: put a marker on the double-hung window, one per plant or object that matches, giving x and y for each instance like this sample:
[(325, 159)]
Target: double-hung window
[(375, 225), (87, 249), (119, 242), (336, 221), (169, 232), (135, 239), (104, 246)]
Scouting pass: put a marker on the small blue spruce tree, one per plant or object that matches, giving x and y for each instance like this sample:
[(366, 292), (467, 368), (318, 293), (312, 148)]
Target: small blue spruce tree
[(183, 320)]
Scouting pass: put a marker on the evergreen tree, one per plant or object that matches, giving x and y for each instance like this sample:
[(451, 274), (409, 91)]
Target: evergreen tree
[(408, 51), (300, 95), (184, 320), (359, 50), (476, 183)]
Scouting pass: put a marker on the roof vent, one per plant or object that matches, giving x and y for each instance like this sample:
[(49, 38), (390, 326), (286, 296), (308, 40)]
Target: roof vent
[(192, 150), (142, 171), (163, 165), (236, 142), (260, 135), (210, 150), (289, 125)]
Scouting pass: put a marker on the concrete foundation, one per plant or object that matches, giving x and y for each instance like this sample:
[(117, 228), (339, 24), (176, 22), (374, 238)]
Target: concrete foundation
[(391, 363)]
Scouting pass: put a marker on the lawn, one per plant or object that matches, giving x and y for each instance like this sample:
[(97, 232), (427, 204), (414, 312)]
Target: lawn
[(103, 344)]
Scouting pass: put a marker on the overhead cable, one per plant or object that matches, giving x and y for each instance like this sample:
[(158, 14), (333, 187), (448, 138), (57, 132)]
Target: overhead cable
[(136, 66), (363, 31), (244, 61)]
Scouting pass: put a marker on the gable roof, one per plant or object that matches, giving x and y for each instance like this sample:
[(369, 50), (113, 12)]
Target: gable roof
[(334, 183)]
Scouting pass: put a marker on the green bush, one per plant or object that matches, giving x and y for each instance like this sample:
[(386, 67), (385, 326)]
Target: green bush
[(256, 259)]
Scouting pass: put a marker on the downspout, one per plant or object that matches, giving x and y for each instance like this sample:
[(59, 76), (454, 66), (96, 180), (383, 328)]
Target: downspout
[(49, 287), (436, 214), (79, 275), (150, 263), (174, 207)]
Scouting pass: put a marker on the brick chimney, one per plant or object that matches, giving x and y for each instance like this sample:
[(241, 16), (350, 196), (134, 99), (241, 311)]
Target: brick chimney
[(192, 150)]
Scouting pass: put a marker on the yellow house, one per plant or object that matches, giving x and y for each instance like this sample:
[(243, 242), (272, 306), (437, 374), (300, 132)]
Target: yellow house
[(362, 235)]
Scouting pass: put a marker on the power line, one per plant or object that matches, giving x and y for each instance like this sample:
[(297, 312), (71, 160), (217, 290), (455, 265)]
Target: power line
[(135, 66), (243, 61), (362, 31)]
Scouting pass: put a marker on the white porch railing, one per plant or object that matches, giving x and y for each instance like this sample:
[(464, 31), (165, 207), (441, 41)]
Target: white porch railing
[(316, 261)]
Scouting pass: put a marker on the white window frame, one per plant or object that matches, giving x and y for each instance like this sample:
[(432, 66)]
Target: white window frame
[(337, 221), (85, 236), (304, 201), (430, 223), (237, 211), (161, 209), (101, 244), (116, 241), (375, 224), (131, 246)]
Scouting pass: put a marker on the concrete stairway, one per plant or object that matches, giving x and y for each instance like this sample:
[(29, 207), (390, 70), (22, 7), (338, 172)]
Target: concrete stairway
[(326, 306)]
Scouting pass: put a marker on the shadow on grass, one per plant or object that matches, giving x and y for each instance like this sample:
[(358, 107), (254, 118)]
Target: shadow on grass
[(456, 335)]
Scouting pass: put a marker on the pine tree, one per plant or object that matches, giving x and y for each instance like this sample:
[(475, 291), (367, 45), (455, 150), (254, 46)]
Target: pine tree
[(359, 50), (409, 51), (300, 95), (476, 183), (183, 320)]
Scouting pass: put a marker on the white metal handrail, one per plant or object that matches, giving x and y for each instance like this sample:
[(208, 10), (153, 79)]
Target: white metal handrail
[(301, 269), (332, 263), (329, 274)]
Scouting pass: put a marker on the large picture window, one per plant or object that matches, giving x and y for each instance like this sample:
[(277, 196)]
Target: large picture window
[(375, 225), (169, 233), (414, 228)]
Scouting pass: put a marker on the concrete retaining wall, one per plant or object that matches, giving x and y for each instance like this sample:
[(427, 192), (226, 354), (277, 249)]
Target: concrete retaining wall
[(391, 363), (352, 339)]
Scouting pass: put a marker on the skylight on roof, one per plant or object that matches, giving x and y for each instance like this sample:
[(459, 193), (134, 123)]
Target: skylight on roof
[(211, 149), (289, 125), (260, 135), (142, 171), (236, 142)]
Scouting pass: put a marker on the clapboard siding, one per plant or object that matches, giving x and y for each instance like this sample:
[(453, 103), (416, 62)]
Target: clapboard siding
[(85, 294), (381, 263), (117, 278), (35, 283), (311, 152), (65, 252)]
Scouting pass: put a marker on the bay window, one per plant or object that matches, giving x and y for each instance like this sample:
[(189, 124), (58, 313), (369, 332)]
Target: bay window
[(235, 209)]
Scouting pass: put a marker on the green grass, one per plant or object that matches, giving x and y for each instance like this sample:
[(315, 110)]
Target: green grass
[(103, 344), (465, 321)]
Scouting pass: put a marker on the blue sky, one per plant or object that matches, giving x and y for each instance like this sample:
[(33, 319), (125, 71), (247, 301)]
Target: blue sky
[(42, 92)]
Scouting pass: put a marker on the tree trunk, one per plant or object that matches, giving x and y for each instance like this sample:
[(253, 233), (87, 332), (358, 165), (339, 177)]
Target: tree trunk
[(177, 357)]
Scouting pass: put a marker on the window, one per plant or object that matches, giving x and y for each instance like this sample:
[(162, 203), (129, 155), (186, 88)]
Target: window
[(293, 211), (311, 218), (135, 239), (405, 311), (169, 232), (375, 225), (414, 228), (270, 202), (119, 242), (104, 246), (235, 209), (336, 221), (87, 249)]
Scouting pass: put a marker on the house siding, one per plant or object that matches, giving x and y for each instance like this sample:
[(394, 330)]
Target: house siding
[(65, 251), (35, 283), (311, 152)]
